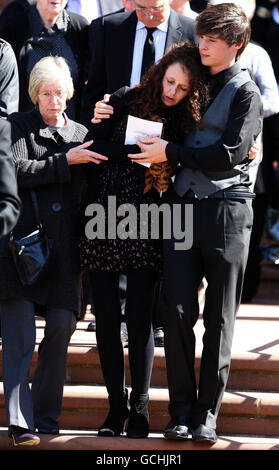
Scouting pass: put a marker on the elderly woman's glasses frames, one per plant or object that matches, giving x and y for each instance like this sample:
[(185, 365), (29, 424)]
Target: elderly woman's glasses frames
[(46, 95)]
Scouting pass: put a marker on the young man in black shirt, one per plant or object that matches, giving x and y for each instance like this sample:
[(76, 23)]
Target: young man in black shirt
[(213, 176)]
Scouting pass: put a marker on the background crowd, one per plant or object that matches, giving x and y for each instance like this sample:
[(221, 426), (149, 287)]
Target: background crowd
[(105, 50)]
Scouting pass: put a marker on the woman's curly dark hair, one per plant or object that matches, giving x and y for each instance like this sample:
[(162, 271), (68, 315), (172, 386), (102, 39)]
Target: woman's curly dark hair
[(188, 112)]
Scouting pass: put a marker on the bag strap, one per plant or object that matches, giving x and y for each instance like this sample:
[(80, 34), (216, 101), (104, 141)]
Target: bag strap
[(37, 213), (36, 209)]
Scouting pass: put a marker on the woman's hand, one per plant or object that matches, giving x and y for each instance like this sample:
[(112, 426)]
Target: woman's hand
[(81, 154), (102, 110), (153, 151)]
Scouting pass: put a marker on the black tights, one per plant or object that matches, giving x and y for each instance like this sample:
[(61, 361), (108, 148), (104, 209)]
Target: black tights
[(138, 315)]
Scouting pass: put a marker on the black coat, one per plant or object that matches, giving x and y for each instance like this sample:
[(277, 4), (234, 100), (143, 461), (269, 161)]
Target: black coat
[(111, 63), (9, 201), (42, 165), (16, 30)]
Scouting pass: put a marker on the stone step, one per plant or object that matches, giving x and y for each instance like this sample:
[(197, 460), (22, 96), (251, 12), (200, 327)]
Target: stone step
[(248, 371), (269, 285), (250, 406), (255, 351), (242, 412), (141, 449)]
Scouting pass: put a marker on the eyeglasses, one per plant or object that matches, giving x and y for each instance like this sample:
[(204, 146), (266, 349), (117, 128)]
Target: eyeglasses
[(153, 9), (57, 94)]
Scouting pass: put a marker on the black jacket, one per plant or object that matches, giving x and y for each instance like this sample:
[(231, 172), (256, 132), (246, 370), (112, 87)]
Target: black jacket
[(9, 201)]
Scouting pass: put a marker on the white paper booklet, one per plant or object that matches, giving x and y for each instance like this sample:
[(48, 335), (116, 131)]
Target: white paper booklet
[(138, 128)]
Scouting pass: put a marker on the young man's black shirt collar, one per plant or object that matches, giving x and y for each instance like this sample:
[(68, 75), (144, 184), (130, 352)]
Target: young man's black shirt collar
[(219, 80)]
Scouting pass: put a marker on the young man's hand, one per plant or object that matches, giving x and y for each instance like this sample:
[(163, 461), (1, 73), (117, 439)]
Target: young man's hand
[(102, 110), (153, 151)]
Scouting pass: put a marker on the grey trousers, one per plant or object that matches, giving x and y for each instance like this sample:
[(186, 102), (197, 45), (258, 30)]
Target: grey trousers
[(41, 406)]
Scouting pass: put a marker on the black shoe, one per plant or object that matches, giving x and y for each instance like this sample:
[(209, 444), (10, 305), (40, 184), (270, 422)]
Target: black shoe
[(24, 437), (114, 424), (91, 326), (176, 428), (158, 337), (204, 434), (138, 422)]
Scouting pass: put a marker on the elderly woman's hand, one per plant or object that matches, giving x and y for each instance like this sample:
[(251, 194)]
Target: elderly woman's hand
[(81, 154)]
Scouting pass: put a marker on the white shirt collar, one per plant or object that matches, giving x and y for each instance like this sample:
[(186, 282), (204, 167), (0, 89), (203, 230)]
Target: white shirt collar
[(163, 26)]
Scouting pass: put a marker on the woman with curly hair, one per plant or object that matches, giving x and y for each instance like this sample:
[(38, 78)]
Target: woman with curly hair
[(172, 92)]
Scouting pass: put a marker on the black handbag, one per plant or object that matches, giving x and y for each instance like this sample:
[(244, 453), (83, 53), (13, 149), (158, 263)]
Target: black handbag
[(31, 254)]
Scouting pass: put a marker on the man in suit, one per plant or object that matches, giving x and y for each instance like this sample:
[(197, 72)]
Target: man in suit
[(120, 40), (9, 201)]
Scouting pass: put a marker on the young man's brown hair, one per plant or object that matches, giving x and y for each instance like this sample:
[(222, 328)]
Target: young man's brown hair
[(226, 21)]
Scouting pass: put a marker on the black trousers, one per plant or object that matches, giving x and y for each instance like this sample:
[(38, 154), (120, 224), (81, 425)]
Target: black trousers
[(138, 315), (221, 233)]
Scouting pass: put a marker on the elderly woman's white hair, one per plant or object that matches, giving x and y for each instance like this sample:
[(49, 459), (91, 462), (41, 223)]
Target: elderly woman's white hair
[(50, 69)]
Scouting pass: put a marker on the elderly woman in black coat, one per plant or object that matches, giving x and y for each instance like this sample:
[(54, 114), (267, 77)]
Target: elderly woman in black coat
[(48, 150), (42, 29)]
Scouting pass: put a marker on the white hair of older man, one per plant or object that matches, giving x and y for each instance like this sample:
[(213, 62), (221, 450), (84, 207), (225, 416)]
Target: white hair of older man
[(248, 6)]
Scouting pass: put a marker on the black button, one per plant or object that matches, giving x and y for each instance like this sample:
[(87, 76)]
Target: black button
[(56, 206), (192, 183)]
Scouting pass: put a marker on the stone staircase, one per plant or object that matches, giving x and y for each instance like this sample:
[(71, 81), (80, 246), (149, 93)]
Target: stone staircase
[(249, 415)]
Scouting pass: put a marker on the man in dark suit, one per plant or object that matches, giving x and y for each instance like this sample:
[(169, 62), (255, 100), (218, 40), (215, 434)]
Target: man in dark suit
[(9, 201), (120, 41)]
